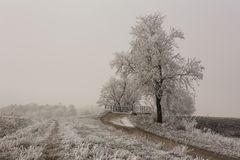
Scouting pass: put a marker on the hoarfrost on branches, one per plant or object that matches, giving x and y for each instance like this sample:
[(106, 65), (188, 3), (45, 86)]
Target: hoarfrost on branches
[(119, 93), (153, 62)]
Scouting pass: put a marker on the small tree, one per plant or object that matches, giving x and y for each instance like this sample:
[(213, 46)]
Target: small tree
[(119, 93), (153, 62)]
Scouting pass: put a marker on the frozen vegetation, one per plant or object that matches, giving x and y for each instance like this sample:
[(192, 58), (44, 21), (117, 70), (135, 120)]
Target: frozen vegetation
[(10, 125), (63, 134), (84, 137), (27, 143), (189, 135), (151, 69)]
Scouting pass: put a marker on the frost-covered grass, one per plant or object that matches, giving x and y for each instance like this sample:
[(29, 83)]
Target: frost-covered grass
[(229, 127), (9, 125), (86, 139), (82, 138), (25, 144), (195, 137)]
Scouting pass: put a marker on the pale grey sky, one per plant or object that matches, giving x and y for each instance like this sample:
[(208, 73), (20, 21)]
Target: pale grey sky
[(59, 50)]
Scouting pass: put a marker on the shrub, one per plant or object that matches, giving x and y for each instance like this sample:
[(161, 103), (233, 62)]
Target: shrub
[(186, 124)]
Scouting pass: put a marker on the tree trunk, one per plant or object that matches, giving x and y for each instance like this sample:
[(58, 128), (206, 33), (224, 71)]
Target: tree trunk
[(159, 110)]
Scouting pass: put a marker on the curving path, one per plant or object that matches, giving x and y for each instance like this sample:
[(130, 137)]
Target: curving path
[(111, 118)]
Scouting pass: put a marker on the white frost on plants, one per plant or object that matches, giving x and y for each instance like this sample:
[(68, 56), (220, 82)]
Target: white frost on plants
[(208, 141)]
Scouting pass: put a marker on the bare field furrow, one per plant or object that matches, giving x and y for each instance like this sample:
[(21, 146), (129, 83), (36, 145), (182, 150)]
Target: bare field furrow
[(51, 150)]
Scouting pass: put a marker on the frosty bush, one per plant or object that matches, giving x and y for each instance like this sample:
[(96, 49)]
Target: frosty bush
[(180, 151), (182, 123), (190, 125)]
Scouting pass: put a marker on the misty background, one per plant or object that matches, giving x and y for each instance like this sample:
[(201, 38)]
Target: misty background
[(55, 51)]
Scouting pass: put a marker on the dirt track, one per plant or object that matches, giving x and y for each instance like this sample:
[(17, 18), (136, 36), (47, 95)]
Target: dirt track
[(86, 138), (137, 132)]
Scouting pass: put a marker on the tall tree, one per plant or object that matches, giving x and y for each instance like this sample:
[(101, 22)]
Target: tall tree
[(153, 62)]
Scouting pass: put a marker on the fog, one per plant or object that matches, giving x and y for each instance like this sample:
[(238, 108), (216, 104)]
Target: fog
[(55, 51)]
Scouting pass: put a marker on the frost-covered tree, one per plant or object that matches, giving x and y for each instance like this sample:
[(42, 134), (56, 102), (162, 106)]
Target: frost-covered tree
[(153, 62), (119, 93), (177, 102)]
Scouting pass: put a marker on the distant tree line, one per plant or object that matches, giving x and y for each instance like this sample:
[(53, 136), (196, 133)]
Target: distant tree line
[(33, 110)]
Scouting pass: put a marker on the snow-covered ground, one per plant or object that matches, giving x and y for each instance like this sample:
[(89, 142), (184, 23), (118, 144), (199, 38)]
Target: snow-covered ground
[(83, 138), (124, 121), (208, 141), (87, 138)]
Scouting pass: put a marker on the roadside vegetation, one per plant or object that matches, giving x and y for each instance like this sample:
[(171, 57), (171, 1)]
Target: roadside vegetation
[(185, 132), (85, 139)]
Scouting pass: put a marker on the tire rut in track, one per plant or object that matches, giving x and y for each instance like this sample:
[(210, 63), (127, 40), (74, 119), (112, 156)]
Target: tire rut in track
[(52, 149)]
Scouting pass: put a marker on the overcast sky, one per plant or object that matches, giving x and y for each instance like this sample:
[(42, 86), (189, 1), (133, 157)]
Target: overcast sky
[(55, 51)]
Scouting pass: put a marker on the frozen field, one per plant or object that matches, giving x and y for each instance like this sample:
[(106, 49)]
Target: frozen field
[(62, 133), (83, 138), (10, 125)]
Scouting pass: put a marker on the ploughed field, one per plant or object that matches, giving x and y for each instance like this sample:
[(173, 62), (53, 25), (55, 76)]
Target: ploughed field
[(225, 126)]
